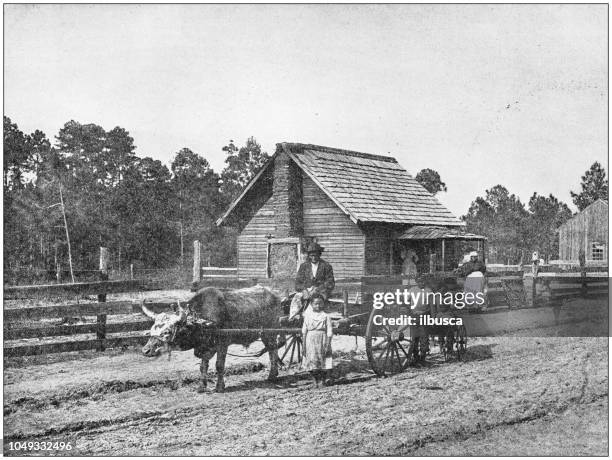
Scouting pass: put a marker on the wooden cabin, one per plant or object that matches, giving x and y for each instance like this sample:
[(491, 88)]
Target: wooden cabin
[(362, 208), (586, 231)]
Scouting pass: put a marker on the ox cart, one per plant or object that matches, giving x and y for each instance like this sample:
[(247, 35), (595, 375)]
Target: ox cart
[(397, 332), (396, 336)]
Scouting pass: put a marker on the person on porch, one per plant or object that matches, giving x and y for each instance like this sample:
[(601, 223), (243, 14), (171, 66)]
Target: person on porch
[(409, 262)]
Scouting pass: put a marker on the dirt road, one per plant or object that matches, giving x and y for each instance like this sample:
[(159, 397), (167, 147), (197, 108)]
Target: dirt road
[(512, 396)]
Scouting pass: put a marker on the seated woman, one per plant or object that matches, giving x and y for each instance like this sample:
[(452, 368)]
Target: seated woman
[(317, 333), (475, 280)]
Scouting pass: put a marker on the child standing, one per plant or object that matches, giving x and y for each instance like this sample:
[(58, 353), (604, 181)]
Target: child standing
[(317, 333)]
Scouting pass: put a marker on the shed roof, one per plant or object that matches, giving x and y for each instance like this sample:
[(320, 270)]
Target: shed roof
[(600, 204), (368, 188), (427, 232)]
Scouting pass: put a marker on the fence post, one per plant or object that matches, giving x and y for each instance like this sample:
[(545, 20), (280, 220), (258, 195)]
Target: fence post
[(345, 303), (101, 319), (583, 284), (197, 269), (534, 290), (131, 271)]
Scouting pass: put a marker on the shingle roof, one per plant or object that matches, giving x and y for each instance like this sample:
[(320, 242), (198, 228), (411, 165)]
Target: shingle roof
[(585, 210), (427, 232), (370, 188)]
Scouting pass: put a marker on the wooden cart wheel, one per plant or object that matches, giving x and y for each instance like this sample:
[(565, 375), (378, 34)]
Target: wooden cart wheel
[(460, 341), (389, 348), (293, 350)]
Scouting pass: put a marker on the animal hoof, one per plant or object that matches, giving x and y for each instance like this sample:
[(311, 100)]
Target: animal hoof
[(272, 378), (220, 388)]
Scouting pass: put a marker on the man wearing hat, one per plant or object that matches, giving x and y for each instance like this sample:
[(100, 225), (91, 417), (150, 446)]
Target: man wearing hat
[(315, 273)]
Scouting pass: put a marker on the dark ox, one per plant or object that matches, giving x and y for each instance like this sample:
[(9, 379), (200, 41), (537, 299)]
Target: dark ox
[(208, 310)]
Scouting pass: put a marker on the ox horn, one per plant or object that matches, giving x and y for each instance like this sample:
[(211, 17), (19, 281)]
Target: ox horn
[(205, 322), (181, 312), (146, 311)]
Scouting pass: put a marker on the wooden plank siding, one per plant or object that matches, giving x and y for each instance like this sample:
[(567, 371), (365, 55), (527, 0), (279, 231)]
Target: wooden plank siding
[(585, 228), (378, 244), (253, 244), (342, 239), (322, 219)]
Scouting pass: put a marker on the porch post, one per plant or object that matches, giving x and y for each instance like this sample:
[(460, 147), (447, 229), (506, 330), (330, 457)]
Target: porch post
[(443, 258)]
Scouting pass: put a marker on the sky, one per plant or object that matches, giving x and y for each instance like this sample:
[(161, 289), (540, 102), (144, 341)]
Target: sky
[(484, 94)]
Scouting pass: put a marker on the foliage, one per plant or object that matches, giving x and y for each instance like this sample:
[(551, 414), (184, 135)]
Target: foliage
[(514, 232), (196, 188), (137, 207), (23, 155), (594, 186), (26, 156), (502, 218), (430, 179), (15, 156), (546, 216), (242, 165)]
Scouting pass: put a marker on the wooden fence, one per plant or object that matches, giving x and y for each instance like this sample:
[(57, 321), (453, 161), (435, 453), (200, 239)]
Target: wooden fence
[(18, 321), (553, 288)]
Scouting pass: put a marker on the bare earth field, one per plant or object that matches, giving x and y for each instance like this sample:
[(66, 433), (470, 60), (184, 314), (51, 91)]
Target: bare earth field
[(512, 396)]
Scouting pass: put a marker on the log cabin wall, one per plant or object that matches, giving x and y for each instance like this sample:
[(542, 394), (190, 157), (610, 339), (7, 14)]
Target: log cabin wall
[(342, 239), (279, 217), (581, 231), (254, 218), (253, 243)]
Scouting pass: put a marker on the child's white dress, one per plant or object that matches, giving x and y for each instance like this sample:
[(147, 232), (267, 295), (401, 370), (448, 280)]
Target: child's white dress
[(318, 330)]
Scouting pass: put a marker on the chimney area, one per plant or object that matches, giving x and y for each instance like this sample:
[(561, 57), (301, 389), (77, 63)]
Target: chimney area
[(287, 197)]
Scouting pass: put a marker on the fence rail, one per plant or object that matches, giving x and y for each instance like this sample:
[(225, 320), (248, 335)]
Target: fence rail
[(83, 288), (74, 329), (75, 345)]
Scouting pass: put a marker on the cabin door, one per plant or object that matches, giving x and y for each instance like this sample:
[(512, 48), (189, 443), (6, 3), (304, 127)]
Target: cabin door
[(283, 259)]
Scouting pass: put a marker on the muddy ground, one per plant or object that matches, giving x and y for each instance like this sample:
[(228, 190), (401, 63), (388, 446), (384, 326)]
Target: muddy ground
[(511, 396)]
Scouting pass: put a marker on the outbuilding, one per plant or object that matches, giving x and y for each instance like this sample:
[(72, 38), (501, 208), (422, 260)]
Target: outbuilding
[(587, 231), (364, 209)]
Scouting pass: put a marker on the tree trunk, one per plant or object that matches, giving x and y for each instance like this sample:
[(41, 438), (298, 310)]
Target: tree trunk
[(67, 234)]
